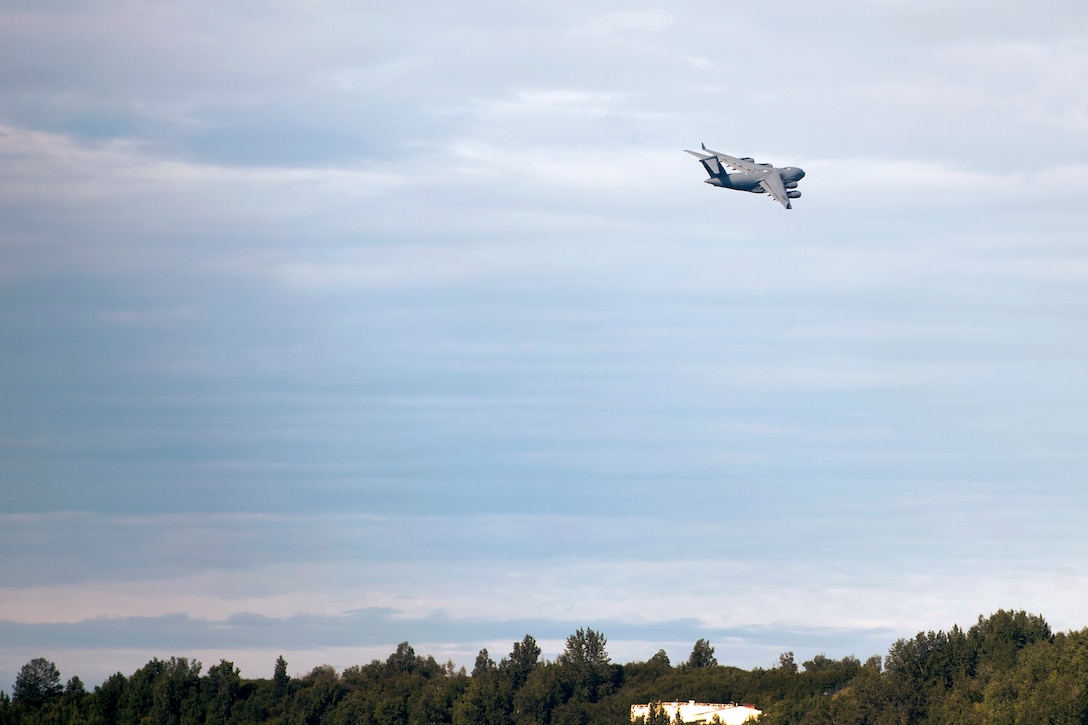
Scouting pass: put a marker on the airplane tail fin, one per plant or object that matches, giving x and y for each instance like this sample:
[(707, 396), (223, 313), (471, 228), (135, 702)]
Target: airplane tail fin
[(709, 162)]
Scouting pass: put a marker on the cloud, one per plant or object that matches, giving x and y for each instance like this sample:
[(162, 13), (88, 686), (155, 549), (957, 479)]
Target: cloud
[(328, 324), (614, 23), (876, 618), (356, 638)]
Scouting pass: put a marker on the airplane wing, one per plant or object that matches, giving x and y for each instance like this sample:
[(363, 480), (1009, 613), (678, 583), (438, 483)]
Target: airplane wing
[(772, 184), (734, 163)]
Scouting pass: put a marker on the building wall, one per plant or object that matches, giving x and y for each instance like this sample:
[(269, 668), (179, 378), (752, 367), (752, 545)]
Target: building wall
[(701, 712)]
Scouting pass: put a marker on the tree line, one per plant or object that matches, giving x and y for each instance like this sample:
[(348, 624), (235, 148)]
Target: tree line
[(1006, 669)]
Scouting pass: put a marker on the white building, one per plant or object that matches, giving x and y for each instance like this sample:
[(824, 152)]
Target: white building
[(701, 712)]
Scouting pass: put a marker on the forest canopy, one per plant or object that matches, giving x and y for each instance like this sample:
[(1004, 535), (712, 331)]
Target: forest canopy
[(1008, 667)]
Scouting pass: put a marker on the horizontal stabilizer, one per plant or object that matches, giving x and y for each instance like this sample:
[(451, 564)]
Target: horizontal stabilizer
[(710, 162)]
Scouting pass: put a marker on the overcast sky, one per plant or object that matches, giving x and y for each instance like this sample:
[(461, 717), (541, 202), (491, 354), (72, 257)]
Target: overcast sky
[(329, 325)]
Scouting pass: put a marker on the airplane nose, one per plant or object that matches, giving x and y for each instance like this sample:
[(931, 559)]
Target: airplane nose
[(800, 174)]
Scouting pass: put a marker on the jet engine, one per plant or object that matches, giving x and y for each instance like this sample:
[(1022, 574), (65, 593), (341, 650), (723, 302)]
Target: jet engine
[(791, 184), (793, 193)]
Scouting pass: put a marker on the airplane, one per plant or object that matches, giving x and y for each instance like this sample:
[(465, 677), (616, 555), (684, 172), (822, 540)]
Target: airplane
[(747, 175)]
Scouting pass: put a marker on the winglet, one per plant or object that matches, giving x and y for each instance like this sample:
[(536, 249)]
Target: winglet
[(703, 145)]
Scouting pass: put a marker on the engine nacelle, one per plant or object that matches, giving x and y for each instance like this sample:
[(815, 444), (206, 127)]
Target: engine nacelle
[(793, 193), (746, 158), (791, 184), (757, 190)]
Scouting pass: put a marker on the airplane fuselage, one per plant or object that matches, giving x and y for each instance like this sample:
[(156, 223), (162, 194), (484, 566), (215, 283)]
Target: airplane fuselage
[(739, 181), (750, 181)]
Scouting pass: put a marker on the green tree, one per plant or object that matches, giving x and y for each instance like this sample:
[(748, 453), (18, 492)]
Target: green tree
[(485, 702), (139, 693), (998, 638), (537, 699), (176, 692), (280, 678), (484, 667), (702, 655), (1048, 684), (318, 694), (37, 683), (403, 660), (73, 706), (106, 702), (75, 687), (523, 659), (585, 668), (431, 700), (221, 688), (819, 663), (490, 697), (585, 646)]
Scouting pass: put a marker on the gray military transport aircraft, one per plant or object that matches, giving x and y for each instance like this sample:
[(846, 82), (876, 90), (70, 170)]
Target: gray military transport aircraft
[(747, 175)]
